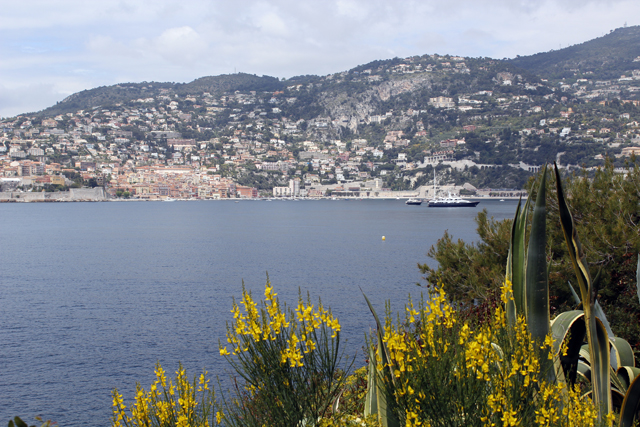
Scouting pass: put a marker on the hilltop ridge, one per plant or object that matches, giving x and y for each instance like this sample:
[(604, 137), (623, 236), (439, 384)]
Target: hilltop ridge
[(604, 57), (385, 125)]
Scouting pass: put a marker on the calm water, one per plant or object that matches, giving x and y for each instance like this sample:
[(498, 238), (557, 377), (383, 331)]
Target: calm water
[(93, 294)]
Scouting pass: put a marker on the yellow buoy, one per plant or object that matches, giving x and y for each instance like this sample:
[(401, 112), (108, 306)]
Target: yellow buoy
[(383, 238)]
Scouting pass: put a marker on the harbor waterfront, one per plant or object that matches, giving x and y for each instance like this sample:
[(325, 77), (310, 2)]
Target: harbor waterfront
[(94, 294)]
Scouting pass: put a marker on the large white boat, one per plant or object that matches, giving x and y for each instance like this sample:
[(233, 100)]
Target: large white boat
[(451, 201), (416, 202)]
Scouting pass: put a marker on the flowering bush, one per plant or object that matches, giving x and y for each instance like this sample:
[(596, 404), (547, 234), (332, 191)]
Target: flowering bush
[(167, 404), (448, 373), (288, 362)]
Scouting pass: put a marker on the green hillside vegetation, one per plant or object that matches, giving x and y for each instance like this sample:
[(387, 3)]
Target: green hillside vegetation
[(108, 96), (605, 57)]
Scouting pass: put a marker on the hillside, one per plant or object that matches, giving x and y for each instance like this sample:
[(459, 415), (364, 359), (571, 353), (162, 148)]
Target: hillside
[(386, 124), (605, 57), (126, 92)]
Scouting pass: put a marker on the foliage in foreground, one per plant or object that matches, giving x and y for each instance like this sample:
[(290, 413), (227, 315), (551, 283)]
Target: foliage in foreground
[(168, 404), (288, 361), (605, 206), (446, 372)]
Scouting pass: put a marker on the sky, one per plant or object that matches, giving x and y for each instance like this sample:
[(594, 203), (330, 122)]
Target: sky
[(50, 49)]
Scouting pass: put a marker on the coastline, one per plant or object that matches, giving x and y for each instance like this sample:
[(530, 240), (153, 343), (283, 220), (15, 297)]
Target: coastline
[(98, 194)]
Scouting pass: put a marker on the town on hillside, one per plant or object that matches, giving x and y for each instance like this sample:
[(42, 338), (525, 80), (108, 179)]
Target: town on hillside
[(378, 130)]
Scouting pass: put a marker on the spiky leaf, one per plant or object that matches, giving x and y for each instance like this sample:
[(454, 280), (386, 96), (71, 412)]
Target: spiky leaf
[(627, 374), (568, 332), (576, 298), (371, 398), (630, 404), (624, 352), (537, 286), (596, 332), (385, 400)]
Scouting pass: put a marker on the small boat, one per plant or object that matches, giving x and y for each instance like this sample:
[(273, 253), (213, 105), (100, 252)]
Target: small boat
[(416, 202), (169, 199)]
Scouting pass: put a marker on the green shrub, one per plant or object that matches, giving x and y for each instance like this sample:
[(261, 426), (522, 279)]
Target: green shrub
[(289, 363)]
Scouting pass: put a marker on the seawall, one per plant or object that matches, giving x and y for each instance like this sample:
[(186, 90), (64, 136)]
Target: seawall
[(73, 195)]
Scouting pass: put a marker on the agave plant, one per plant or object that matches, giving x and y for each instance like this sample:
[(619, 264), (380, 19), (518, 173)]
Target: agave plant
[(604, 360)]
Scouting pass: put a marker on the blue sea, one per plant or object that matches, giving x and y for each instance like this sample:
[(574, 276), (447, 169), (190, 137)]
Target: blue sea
[(92, 295)]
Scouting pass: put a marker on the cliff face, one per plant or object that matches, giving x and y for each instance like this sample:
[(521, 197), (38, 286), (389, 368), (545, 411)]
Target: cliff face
[(352, 109)]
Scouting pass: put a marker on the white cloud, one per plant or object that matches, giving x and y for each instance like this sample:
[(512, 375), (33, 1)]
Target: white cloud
[(87, 44), (180, 45), (268, 22)]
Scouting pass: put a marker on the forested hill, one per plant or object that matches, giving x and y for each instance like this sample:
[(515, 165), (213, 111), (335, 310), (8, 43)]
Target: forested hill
[(605, 57), (125, 92)]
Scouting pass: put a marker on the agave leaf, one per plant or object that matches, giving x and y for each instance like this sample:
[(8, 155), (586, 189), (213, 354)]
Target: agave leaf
[(616, 383), (576, 298), (624, 352), (386, 391), (596, 332), (626, 374), (519, 256), (584, 371), (599, 312), (630, 404), (601, 368), (563, 324), (568, 326), (510, 307), (623, 376), (371, 398), (585, 354), (537, 286), (574, 247), (573, 244)]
